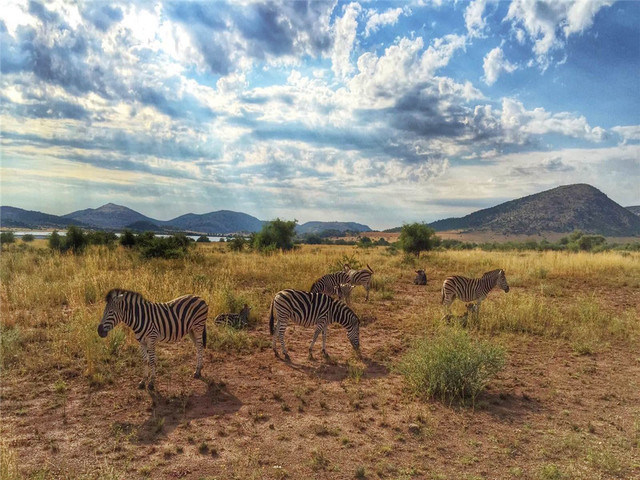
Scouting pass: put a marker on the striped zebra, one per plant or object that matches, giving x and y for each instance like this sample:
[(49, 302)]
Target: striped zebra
[(308, 309), (471, 289), (154, 322), (333, 284), (360, 277), (235, 320)]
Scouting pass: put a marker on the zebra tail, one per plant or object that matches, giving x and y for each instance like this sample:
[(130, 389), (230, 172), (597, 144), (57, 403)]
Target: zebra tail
[(271, 319), (370, 269), (204, 337)]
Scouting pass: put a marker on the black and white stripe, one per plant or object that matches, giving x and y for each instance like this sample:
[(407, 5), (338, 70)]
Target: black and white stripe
[(309, 309), (471, 289), (334, 284), (360, 277), (157, 322), (235, 320)]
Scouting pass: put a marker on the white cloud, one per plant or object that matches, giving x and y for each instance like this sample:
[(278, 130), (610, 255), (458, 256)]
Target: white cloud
[(345, 35), (495, 64), (546, 20), (628, 132), (473, 18), (377, 20)]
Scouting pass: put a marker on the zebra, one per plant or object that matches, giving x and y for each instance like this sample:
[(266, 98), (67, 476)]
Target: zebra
[(329, 284), (153, 322), (359, 277), (308, 309), (421, 278), (343, 291), (471, 289), (235, 320)]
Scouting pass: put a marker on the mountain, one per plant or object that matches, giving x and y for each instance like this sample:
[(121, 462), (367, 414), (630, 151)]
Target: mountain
[(635, 209), (12, 217), (109, 217), (222, 221), (562, 209), (317, 227)]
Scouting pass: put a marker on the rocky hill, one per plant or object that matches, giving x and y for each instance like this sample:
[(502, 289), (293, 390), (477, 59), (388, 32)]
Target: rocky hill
[(12, 217), (317, 227), (222, 221), (635, 209), (109, 217), (562, 209)]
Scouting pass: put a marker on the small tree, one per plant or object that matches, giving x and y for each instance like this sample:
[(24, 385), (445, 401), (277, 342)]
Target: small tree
[(28, 237), (277, 234), (55, 241), (75, 240), (128, 239), (7, 237), (236, 244), (203, 239), (416, 237)]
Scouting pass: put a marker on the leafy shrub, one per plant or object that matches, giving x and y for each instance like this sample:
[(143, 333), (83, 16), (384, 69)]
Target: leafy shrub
[(236, 244), (7, 237), (175, 246), (451, 366), (28, 237), (101, 238), (350, 260), (277, 234), (203, 239), (55, 241), (128, 239), (417, 237), (76, 240)]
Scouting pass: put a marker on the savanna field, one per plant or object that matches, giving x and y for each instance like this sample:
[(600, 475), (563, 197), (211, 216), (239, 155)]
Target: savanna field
[(562, 403)]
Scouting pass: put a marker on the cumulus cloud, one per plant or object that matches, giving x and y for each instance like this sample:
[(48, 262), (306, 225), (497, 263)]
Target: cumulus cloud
[(628, 133), (495, 64), (548, 23), (377, 20), (344, 39), (473, 18)]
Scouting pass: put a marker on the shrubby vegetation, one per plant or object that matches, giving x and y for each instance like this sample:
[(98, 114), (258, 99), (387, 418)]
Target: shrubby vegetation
[(417, 237), (275, 235), (7, 237)]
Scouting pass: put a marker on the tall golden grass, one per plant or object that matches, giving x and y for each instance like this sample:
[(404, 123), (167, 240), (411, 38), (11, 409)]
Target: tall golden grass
[(51, 303)]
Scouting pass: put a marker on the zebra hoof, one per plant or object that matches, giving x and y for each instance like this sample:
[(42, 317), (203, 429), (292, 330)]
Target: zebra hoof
[(197, 375), (325, 355), (275, 352), (310, 357), (141, 385), (287, 357), (151, 387)]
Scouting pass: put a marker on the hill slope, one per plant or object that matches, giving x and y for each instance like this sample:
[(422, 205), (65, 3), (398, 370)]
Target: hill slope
[(317, 227), (562, 209), (109, 216), (12, 217), (222, 221), (635, 209)]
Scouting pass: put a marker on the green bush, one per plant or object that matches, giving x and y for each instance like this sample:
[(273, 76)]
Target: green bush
[(277, 234), (203, 239), (28, 237), (55, 241), (451, 366), (128, 239), (236, 244), (76, 240), (417, 237), (7, 237), (175, 246)]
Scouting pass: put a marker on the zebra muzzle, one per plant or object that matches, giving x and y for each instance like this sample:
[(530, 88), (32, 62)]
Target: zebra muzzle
[(102, 331)]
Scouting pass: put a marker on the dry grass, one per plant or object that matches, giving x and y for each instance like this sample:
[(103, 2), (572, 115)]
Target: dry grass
[(70, 408)]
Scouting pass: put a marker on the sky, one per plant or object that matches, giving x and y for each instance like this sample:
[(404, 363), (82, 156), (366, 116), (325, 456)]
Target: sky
[(382, 113)]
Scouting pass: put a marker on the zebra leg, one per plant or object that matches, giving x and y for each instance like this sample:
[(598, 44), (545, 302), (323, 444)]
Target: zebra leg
[(281, 328), (152, 363), (145, 360), (324, 342), (273, 339), (198, 342), (366, 298), (315, 337)]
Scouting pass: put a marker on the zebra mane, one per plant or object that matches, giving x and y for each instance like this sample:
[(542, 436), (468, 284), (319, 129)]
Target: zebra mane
[(492, 273), (114, 292)]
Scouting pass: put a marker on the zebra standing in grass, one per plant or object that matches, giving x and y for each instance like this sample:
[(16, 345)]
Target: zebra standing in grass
[(334, 284), (360, 277), (471, 289), (308, 309), (235, 320), (154, 322)]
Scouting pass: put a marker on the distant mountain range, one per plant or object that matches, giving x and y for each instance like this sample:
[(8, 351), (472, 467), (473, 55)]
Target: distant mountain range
[(562, 209), (117, 217)]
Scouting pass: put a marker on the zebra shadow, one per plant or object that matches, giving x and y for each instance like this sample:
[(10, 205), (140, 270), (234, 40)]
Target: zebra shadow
[(335, 371), (507, 407), (169, 411)]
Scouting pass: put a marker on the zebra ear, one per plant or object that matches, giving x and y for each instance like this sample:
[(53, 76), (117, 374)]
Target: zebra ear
[(113, 294)]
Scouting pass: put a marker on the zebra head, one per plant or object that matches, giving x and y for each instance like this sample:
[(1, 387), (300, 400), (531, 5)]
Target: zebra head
[(353, 329), (502, 281), (343, 291), (113, 312)]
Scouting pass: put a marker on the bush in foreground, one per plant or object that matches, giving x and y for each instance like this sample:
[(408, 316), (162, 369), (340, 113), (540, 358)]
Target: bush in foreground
[(451, 366)]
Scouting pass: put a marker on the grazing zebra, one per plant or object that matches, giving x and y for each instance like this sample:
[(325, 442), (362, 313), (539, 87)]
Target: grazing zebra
[(343, 291), (329, 284), (155, 322), (308, 309), (360, 277), (235, 320), (471, 289)]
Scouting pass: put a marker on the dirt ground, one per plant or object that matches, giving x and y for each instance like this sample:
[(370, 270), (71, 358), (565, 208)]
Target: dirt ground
[(551, 414)]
